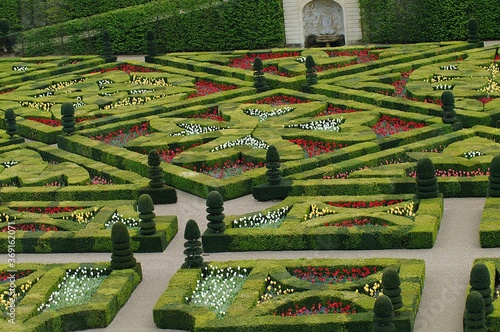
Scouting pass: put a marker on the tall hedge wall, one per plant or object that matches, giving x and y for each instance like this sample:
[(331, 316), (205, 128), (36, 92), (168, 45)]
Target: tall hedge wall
[(410, 21), (183, 25)]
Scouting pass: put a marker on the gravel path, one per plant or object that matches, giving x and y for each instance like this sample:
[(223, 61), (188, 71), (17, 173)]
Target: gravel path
[(447, 264)]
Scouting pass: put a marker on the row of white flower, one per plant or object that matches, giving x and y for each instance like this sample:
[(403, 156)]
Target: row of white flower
[(10, 163), (149, 81), (131, 101), (218, 288), (129, 222), (449, 67), (139, 91), (195, 129), (102, 83), (438, 78), (263, 115), (444, 87), (256, 220), (471, 154), (247, 140), (326, 125), (45, 94), (19, 68), (301, 59)]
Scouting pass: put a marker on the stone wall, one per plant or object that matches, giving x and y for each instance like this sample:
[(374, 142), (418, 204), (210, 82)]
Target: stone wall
[(305, 17)]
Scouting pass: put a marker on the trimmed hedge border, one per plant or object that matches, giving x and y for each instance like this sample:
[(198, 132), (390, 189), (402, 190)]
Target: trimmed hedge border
[(172, 312)]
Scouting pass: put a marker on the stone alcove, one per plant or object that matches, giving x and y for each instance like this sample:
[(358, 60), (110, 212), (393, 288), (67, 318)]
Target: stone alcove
[(319, 17)]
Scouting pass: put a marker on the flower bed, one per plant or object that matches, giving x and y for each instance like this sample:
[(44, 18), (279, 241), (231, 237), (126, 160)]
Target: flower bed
[(301, 304)]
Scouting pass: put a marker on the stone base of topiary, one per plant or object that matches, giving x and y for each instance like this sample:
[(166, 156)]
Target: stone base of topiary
[(165, 195), (267, 192)]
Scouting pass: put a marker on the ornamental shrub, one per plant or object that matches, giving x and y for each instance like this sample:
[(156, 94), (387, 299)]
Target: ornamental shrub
[(383, 313), (273, 164), (474, 316), (391, 287), (494, 178), (155, 171), (10, 122), (473, 34), (215, 215), (146, 207), (426, 181), (68, 118), (480, 282), (311, 76), (121, 252), (449, 115), (260, 82), (107, 47), (5, 44), (193, 247), (151, 43)]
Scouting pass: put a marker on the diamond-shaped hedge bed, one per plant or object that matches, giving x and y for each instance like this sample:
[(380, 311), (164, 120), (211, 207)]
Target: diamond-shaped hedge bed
[(332, 223), (292, 295), (37, 307)]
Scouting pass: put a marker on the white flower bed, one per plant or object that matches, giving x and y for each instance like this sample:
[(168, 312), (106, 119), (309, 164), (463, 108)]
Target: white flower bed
[(129, 222), (472, 154), (263, 115), (258, 220), (195, 129), (247, 140), (10, 163), (19, 68), (325, 125)]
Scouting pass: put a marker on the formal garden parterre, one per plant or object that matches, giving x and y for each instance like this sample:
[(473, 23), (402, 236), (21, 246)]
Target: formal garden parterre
[(349, 146)]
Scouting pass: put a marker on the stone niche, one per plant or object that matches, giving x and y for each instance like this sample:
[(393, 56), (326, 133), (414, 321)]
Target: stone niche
[(321, 17)]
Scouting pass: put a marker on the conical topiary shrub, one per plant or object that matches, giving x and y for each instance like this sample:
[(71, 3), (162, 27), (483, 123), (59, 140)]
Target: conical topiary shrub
[(122, 256), (480, 281), (494, 178), (107, 47), (391, 287), (426, 180), (68, 118), (215, 215), (273, 164), (10, 122), (311, 76), (259, 81), (473, 31), (474, 320), (383, 313), (155, 171), (146, 207), (151, 42), (449, 116), (193, 247)]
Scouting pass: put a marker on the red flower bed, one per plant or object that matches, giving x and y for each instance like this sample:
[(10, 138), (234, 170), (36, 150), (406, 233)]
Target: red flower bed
[(355, 222), (318, 309), (168, 155), (246, 61), (31, 228), (485, 100), (121, 137), (400, 90), (211, 113), (279, 100), (325, 275), (458, 174), (387, 126), (50, 209), (315, 148), (56, 122), (7, 91), (8, 276), (204, 88), (362, 204), (331, 109)]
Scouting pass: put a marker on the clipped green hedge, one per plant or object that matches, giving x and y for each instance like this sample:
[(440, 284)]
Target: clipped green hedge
[(111, 295), (296, 233), (172, 311)]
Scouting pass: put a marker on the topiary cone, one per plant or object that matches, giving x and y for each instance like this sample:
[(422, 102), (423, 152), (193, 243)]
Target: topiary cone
[(10, 122), (474, 316), (122, 256), (68, 118), (494, 178), (193, 246), (273, 164), (480, 281), (472, 25), (155, 172), (391, 287), (426, 180), (145, 207), (311, 76), (383, 314), (214, 209)]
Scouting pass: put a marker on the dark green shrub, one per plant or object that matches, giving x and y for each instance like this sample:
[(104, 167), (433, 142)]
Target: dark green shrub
[(426, 181), (151, 43), (480, 282), (260, 82), (311, 76), (68, 118), (107, 47), (474, 313), (383, 313), (155, 171), (146, 207), (494, 178), (391, 287), (473, 31), (273, 164), (5, 43), (193, 247), (449, 115), (215, 215), (121, 253), (10, 122)]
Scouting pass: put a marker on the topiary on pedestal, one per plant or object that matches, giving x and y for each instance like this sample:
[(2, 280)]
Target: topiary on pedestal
[(155, 172), (215, 215), (383, 313), (480, 281), (259, 81), (449, 115), (276, 187), (494, 178), (146, 207), (68, 118), (10, 122), (474, 316), (121, 252), (273, 164), (391, 287), (311, 76), (193, 247), (426, 180), (473, 31)]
